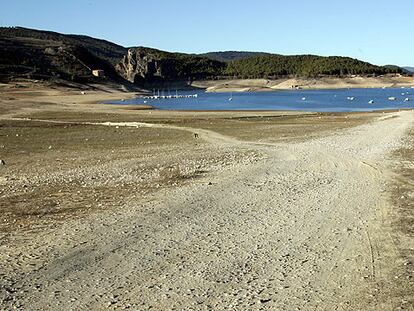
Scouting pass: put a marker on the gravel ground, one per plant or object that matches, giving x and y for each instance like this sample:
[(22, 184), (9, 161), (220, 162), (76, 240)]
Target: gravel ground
[(288, 226)]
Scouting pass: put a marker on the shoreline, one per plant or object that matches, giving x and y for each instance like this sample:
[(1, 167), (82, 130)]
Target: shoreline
[(33, 96), (283, 84), (380, 103)]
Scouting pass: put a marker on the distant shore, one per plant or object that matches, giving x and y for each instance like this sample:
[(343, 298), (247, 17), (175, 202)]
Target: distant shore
[(262, 85)]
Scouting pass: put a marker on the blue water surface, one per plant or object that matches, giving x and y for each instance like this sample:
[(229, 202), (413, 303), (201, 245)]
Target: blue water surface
[(307, 100)]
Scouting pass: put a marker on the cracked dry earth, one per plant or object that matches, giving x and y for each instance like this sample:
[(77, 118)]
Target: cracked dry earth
[(300, 229)]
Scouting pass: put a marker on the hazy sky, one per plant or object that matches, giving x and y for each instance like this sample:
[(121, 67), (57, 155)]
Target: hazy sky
[(378, 31)]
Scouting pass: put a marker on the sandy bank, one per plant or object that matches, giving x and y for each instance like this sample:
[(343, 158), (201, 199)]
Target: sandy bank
[(254, 85), (25, 97)]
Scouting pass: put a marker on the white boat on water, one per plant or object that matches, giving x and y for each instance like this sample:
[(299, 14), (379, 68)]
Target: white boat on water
[(392, 98), (170, 96), (371, 101), (407, 99), (351, 98), (303, 98)]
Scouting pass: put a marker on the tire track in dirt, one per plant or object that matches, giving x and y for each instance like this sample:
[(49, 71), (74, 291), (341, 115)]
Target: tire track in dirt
[(300, 229)]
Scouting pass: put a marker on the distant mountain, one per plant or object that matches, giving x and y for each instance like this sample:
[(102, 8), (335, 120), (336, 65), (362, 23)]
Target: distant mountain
[(41, 54), (231, 55), (410, 69)]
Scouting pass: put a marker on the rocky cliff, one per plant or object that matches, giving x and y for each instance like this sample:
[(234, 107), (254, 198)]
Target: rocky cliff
[(138, 65), (151, 65)]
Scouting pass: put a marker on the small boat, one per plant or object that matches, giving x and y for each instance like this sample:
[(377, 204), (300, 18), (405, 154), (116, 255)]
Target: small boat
[(303, 98), (351, 98), (371, 101), (231, 97), (407, 99), (392, 98)]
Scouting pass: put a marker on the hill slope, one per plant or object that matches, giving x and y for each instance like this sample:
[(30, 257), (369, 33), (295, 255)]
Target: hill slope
[(44, 54), (106, 50), (410, 69)]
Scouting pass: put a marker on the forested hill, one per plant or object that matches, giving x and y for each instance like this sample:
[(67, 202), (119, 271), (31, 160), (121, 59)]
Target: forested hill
[(303, 66), (143, 64), (41, 54), (228, 56)]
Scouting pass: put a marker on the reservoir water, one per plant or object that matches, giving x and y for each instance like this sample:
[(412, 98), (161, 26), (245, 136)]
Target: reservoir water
[(309, 100)]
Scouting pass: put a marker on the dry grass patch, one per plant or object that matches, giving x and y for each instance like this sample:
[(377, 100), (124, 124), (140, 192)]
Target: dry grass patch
[(402, 220)]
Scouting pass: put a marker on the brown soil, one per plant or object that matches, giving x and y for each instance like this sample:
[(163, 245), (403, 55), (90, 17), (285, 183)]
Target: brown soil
[(297, 189)]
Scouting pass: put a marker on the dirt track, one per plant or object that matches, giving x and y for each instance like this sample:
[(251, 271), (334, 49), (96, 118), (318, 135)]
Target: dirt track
[(301, 229)]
